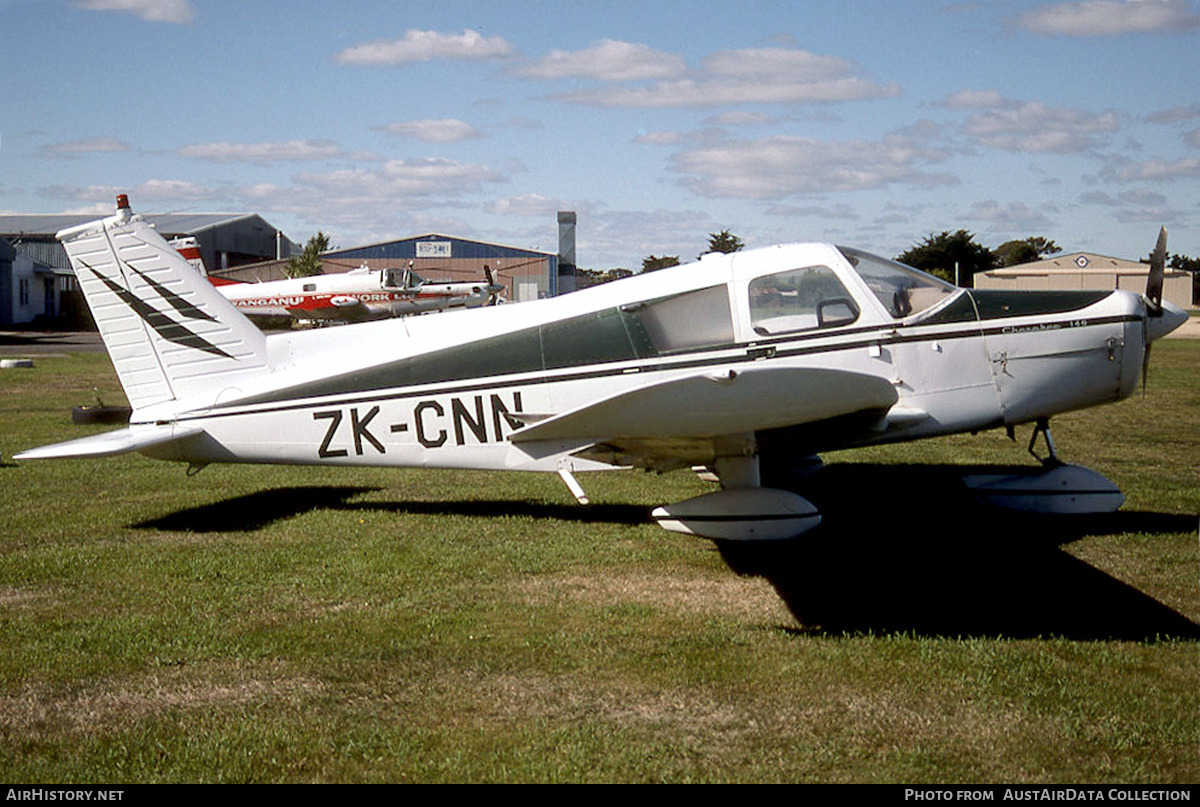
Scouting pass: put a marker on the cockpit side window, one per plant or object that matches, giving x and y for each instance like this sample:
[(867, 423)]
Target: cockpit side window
[(902, 289), (401, 279), (799, 300)]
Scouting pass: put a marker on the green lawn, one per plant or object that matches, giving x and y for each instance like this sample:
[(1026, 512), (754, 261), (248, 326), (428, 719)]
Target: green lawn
[(277, 624)]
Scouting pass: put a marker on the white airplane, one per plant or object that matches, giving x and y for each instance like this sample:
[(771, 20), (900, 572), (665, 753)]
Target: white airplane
[(745, 364), (358, 295)]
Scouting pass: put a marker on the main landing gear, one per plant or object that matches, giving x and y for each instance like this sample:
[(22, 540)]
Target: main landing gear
[(742, 510), (1056, 487)]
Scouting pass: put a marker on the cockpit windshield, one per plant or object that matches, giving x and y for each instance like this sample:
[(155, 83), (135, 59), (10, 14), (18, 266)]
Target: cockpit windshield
[(401, 279), (902, 289)]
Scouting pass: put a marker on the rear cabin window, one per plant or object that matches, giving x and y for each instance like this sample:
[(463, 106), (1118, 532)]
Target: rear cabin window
[(799, 300), (696, 319)]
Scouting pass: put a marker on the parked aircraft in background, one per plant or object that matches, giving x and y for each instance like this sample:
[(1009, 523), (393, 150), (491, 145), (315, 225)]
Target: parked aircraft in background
[(357, 295), (746, 364)]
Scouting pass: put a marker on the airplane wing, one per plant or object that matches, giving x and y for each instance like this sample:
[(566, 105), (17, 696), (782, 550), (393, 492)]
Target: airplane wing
[(670, 423), (109, 444)]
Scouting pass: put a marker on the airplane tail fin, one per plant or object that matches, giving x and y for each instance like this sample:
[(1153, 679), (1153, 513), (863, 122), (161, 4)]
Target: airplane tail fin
[(171, 335)]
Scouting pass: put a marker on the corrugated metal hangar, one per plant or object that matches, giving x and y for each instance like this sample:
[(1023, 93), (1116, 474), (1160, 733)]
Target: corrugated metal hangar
[(35, 282), (1086, 270), (225, 239), (526, 274)]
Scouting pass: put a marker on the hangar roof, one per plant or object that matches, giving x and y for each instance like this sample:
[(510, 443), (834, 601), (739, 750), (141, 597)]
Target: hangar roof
[(169, 224), (223, 237), (460, 247), (1076, 262)]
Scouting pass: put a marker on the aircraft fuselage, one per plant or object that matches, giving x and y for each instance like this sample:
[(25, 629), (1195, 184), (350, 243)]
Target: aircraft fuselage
[(451, 391)]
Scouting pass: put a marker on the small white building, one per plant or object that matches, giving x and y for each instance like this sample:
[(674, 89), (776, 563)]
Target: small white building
[(31, 292), (1087, 271)]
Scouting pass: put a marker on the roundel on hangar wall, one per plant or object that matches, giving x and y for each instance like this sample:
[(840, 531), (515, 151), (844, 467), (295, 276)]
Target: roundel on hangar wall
[(1082, 261)]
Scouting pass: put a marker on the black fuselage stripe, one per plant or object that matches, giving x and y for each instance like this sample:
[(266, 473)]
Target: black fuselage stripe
[(883, 335)]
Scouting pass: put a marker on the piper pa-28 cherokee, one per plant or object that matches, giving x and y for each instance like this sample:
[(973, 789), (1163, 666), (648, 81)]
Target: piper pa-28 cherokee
[(358, 295), (744, 364)]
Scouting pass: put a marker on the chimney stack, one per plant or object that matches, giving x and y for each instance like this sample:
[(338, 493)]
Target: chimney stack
[(566, 252)]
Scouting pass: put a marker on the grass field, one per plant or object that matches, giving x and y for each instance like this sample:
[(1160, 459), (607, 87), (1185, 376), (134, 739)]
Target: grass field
[(275, 624)]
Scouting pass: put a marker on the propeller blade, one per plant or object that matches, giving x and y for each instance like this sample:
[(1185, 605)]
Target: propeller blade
[(1154, 294), (493, 289), (1145, 367), (1154, 283)]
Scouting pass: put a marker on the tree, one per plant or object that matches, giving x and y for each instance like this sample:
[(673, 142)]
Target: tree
[(653, 263), (308, 263), (586, 278), (724, 241), (1024, 250), (939, 254), (1183, 263)]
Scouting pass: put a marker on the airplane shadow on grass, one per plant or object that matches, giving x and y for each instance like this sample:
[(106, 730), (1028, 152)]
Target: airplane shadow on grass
[(901, 549), (904, 549), (254, 510), (257, 510)]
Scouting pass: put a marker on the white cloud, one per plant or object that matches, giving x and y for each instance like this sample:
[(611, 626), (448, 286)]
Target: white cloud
[(628, 236), (76, 148), (173, 11), (659, 138), (157, 190), (606, 60), (1154, 171), (741, 118), (1030, 126), (434, 131), (1176, 114), (751, 75), (364, 205), (153, 190), (533, 204), (399, 180), (288, 151), (972, 99), (1013, 217), (845, 212), (1110, 18), (1147, 215), (425, 46), (1144, 197), (782, 166)]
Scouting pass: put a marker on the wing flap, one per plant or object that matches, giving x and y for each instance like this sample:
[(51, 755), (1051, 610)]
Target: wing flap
[(709, 405), (108, 444)]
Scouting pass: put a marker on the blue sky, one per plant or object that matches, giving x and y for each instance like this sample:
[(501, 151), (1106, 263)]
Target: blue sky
[(870, 124)]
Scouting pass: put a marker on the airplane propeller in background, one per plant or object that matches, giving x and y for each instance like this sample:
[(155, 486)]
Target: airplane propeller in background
[(493, 287)]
